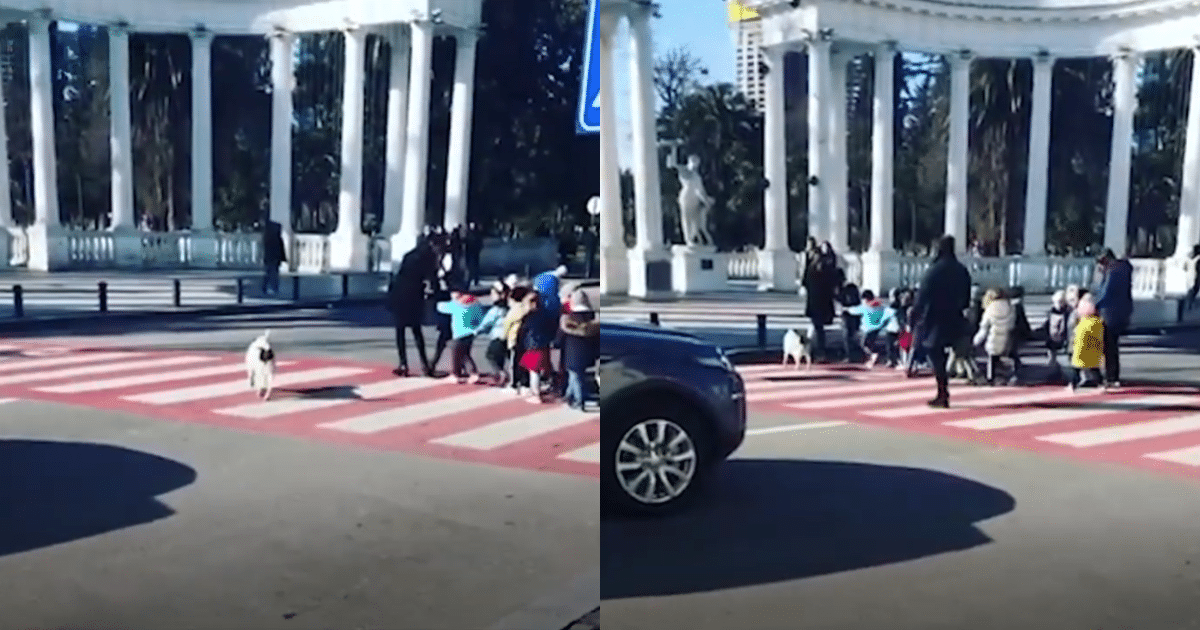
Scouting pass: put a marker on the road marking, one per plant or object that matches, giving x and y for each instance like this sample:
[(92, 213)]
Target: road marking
[(372, 391), (416, 414), (1126, 432), (587, 455), (1044, 416), (513, 430), (229, 388), (90, 357), (796, 427), (835, 390), (128, 366), (5, 401), (978, 403), (147, 379), (1189, 456), (859, 401)]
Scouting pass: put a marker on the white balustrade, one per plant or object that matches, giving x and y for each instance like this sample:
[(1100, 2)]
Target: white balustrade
[(310, 253)]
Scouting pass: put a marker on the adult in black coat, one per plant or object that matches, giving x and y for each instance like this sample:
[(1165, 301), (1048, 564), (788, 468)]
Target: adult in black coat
[(406, 302), (939, 312), (274, 255), (821, 281), (1114, 303)]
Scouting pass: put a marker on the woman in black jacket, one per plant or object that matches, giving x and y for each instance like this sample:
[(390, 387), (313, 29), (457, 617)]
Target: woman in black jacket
[(406, 302)]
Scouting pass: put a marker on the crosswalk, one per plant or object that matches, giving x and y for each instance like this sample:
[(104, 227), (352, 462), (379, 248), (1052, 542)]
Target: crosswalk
[(316, 398), (1149, 427)]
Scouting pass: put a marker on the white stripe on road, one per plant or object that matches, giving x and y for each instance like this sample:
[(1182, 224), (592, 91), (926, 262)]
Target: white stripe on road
[(5, 401), (229, 388), (372, 391), (87, 357), (514, 430), (796, 427), (1044, 416), (978, 403), (835, 390), (416, 414), (1189, 456), (587, 455), (1126, 432), (858, 401), (147, 379), (128, 366)]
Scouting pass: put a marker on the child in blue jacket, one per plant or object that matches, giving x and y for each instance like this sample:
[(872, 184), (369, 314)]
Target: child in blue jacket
[(875, 317), (465, 316)]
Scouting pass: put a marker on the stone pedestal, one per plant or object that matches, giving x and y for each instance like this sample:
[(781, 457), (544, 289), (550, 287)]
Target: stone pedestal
[(127, 248), (649, 274), (777, 270), (614, 271), (698, 269), (202, 246), (881, 271), (47, 248), (1177, 277), (6, 247), (348, 251)]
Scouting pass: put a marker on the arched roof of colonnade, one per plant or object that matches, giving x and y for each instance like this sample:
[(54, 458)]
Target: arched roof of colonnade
[(246, 16), (991, 28)]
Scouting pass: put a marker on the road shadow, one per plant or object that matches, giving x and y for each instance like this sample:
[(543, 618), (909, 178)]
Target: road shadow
[(767, 521), (328, 392), (57, 492)]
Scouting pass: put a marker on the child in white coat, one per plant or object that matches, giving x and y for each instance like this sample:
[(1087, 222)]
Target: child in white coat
[(995, 330)]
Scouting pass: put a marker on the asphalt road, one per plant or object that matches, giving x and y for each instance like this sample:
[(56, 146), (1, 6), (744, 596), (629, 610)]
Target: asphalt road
[(123, 520), (853, 527)]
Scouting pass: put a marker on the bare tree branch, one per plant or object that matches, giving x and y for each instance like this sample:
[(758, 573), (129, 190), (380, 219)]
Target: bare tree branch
[(676, 74)]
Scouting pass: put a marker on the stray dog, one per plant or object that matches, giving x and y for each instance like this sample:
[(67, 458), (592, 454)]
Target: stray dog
[(795, 347), (260, 365)]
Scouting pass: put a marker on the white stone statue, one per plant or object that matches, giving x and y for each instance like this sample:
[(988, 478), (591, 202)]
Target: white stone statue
[(695, 206)]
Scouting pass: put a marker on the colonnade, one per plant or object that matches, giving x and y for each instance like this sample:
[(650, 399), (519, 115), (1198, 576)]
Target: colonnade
[(407, 144)]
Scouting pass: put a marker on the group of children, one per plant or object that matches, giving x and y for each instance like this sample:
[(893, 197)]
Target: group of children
[(524, 321), (996, 323)]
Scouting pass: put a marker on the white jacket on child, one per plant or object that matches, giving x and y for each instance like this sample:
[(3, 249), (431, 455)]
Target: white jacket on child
[(995, 328)]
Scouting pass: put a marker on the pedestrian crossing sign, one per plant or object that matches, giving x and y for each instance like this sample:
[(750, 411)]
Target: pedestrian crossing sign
[(589, 92)]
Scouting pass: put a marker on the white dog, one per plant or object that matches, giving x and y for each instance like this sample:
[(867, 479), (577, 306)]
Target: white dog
[(795, 347), (260, 365)]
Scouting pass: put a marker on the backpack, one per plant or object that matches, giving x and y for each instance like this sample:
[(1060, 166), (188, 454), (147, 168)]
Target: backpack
[(1056, 326)]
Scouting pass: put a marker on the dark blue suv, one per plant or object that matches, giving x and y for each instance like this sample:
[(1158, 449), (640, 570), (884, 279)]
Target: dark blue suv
[(672, 409)]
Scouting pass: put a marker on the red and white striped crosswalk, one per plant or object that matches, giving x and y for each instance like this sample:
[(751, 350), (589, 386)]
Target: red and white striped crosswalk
[(324, 399), (1152, 427)]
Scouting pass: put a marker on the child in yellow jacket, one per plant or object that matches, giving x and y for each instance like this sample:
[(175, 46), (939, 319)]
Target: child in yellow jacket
[(1087, 351)]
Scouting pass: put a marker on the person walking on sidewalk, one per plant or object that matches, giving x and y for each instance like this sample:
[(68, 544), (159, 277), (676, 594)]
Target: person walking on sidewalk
[(273, 256), (1114, 303), (942, 299)]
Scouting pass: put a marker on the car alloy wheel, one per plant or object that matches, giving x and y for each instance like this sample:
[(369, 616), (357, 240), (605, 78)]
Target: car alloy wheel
[(656, 461)]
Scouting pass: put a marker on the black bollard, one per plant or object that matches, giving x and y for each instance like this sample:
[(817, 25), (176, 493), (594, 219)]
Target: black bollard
[(102, 289), (762, 331), (295, 287), (178, 292), (345, 285), (18, 300), (241, 290), (654, 319)]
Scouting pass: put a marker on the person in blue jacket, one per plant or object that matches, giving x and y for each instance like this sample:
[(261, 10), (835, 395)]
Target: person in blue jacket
[(465, 316), (1114, 303)]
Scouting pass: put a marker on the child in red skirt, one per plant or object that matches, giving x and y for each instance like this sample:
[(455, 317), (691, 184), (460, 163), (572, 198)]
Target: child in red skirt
[(538, 330)]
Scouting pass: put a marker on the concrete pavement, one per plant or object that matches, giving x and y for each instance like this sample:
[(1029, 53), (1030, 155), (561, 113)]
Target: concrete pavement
[(137, 521)]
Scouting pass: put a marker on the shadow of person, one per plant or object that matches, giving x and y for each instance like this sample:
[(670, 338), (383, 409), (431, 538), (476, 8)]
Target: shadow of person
[(767, 521), (56, 492)]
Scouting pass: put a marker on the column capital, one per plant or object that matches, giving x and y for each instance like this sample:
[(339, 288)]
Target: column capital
[(1124, 55), (1043, 57), (820, 37), (887, 48), (467, 37), (773, 55), (642, 10), (120, 27), (282, 34), (201, 35), (962, 57)]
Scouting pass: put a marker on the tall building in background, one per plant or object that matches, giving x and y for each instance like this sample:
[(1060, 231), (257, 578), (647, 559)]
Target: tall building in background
[(746, 28)]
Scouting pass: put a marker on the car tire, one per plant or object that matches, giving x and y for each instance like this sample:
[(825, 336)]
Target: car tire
[(676, 417)]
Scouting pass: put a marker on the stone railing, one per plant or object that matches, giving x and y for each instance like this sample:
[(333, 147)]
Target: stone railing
[(309, 253), (1152, 278)]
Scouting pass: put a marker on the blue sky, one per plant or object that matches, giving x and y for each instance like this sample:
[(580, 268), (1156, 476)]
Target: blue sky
[(697, 24)]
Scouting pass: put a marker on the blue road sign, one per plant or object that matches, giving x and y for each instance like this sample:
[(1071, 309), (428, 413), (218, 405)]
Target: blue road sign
[(589, 91)]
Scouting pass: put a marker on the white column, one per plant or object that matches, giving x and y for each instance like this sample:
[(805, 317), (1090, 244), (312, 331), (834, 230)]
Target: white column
[(202, 150), (958, 152), (776, 262), (1189, 194), (120, 139), (412, 218), (395, 145), (614, 262), (347, 247), (458, 166), (1121, 155), (883, 151), (818, 138), (282, 84), (6, 218), (839, 175), (1038, 183), (649, 268), (41, 116), (46, 249)]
